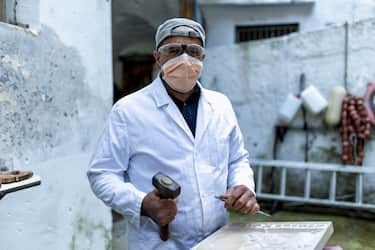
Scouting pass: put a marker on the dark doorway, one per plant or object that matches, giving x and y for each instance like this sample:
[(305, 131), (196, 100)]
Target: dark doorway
[(136, 73)]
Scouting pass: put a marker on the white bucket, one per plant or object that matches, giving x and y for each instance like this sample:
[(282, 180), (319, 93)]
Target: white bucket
[(289, 109), (313, 101)]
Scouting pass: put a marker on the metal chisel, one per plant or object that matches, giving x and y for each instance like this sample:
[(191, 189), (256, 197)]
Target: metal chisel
[(259, 212)]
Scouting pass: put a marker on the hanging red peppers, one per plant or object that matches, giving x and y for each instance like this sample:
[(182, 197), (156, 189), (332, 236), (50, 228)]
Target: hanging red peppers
[(355, 128)]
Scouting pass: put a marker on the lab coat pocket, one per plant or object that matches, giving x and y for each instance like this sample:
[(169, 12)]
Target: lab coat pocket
[(217, 215), (219, 155), (222, 152)]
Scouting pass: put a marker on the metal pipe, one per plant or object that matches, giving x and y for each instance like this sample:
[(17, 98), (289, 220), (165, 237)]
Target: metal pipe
[(308, 183), (283, 182), (332, 188), (346, 55), (359, 189), (259, 179), (195, 10)]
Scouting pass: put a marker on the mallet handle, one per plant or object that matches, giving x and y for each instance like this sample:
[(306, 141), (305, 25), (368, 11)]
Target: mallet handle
[(164, 233)]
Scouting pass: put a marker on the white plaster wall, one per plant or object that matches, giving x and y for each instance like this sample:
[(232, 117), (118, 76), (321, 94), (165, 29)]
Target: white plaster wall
[(58, 80), (27, 12), (258, 76), (221, 19), (86, 26)]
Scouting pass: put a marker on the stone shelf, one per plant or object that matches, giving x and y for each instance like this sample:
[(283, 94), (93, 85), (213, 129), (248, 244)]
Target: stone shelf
[(17, 186)]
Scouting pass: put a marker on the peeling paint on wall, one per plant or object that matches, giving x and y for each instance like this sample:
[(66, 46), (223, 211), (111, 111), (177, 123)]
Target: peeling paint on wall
[(12, 60), (55, 95), (43, 96), (7, 104)]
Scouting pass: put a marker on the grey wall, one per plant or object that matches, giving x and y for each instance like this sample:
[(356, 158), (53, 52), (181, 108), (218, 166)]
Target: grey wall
[(221, 19), (257, 77), (55, 94)]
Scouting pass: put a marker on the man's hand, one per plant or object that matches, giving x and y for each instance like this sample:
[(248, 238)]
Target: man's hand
[(241, 199), (162, 211)]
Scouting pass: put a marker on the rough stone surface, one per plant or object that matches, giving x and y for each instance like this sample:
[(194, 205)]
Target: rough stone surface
[(55, 94), (269, 235), (43, 98), (258, 76)]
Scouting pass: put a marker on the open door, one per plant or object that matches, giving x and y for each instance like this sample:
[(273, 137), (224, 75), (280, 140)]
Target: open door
[(137, 72)]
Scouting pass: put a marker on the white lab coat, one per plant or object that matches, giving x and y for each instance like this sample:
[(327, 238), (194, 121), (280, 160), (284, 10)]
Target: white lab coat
[(146, 133)]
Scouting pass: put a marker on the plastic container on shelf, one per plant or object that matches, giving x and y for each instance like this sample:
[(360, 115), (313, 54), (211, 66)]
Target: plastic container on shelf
[(333, 113), (289, 109), (313, 101)]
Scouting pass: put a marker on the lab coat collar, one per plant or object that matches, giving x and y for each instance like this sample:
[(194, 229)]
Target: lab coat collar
[(205, 109), (161, 95)]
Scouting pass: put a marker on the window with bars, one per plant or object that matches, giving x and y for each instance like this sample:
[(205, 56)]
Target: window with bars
[(258, 32)]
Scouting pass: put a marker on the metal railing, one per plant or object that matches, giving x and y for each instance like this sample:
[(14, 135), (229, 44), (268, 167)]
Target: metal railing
[(359, 172)]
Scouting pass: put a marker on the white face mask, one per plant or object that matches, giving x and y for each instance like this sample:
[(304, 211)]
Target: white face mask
[(182, 72)]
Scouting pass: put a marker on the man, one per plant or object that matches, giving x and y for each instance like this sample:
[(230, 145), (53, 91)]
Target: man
[(175, 126)]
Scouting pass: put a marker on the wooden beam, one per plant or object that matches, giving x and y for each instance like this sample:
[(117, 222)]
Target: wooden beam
[(187, 8), (2, 10)]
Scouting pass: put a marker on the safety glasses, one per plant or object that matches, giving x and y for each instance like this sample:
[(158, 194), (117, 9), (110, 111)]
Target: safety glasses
[(176, 49)]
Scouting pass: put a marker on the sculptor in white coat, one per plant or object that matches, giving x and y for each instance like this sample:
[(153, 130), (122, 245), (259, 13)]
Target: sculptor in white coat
[(202, 150)]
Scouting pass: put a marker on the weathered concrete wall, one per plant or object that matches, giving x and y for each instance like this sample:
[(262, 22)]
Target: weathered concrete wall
[(257, 77), (222, 18), (55, 94)]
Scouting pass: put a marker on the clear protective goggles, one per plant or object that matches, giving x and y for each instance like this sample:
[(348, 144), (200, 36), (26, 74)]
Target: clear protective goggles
[(176, 49)]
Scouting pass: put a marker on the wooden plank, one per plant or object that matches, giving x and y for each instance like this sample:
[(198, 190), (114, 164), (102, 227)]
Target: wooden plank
[(16, 186)]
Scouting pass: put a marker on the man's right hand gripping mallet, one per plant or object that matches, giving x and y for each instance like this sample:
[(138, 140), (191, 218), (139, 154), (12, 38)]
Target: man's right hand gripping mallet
[(168, 189)]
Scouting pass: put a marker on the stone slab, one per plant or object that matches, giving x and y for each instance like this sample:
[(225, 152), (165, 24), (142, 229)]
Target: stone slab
[(269, 235)]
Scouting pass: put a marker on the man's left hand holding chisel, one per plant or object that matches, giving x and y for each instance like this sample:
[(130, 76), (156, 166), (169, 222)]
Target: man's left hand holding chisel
[(241, 199)]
